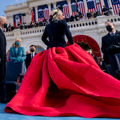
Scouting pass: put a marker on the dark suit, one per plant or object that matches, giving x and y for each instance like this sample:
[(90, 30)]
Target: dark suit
[(108, 51), (28, 59), (2, 63), (89, 15), (56, 32)]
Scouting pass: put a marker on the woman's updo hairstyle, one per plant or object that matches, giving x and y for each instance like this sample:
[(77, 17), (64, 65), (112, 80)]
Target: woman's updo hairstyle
[(54, 14)]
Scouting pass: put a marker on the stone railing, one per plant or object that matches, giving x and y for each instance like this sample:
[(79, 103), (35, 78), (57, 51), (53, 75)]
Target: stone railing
[(9, 34), (113, 18), (83, 23), (31, 31), (98, 22)]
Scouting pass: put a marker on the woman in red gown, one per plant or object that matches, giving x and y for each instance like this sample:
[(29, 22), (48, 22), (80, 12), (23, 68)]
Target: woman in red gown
[(65, 80)]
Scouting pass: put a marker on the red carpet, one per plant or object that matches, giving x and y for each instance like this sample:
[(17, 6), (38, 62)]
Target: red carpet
[(66, 82)]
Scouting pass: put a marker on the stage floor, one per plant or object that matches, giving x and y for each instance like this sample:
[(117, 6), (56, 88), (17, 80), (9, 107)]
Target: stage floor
[(6, 116)]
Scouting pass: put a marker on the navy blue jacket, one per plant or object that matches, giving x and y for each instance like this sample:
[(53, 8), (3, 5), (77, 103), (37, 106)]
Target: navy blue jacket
[(56, 32), (107, 41), (2, 55)]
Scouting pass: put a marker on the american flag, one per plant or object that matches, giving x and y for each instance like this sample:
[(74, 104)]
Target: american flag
[(43, 12), (93, 7), (81, 7), (115, 5), (66, 11), (17, 19), (74, 8)]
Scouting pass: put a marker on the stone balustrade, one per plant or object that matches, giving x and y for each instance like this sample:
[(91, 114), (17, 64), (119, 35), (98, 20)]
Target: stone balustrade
[(85, 24)]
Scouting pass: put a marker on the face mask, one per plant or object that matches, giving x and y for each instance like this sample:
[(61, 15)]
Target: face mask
[(32, 50), (17, 43), (5, 25), (109, 28)]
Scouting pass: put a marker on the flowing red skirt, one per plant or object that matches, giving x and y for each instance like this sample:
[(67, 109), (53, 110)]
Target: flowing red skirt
[(66, 82)]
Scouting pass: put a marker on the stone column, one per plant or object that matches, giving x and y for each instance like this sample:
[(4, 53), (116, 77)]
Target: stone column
[(49, 7), (54, 5), (86, 7), (36, 13), (69, 4), (110, 5)]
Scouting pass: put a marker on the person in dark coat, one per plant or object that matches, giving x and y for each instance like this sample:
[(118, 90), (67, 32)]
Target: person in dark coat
[(106, 11), (89, 14), (119, 11), (111, 45), (2, 59), (57, 36), (30, 55), (77, 16), (72, 18)]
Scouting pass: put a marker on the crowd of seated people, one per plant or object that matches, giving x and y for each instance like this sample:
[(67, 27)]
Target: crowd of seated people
[(92, 14), (78, 16), (25, 26)]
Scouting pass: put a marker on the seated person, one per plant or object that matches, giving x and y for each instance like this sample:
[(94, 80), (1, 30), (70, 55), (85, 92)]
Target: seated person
[(36, 24), (12, 28), (81, 15), (106, 11), (44, 21), (67, 19), (9, 27), (71, 18), (40, 23), (89, 14), (31, 25), (97, 14), (119, 11), (21, 26), (77, 16)]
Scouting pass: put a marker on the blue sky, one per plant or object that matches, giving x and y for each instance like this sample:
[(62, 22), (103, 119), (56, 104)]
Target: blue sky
[(4, 3)]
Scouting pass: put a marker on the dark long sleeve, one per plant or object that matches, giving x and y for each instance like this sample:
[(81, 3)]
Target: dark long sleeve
[(1, 50), (68, 33), (104, 48), (44, 37)]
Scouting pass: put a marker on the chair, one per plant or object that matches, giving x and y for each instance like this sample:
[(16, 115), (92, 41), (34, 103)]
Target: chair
[(117, 58), (13, 70)]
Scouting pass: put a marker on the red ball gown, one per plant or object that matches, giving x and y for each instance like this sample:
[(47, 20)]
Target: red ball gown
[(66, 82)]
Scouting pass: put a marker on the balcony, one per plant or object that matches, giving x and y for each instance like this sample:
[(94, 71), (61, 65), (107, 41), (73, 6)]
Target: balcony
[(88, 25)]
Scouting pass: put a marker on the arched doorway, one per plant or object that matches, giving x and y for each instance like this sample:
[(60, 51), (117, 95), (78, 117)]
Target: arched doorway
[(85, 47), (39, 49), (88, 43)]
